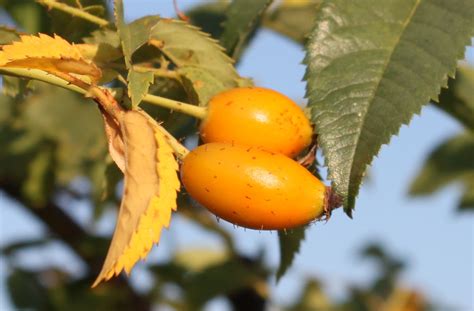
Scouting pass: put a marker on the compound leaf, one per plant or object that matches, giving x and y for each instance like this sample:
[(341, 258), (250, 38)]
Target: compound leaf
[(196, 55)]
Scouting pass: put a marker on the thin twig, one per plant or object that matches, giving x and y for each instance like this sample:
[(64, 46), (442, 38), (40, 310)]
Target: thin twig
[(192, 110), (53, 4), (195, 111)]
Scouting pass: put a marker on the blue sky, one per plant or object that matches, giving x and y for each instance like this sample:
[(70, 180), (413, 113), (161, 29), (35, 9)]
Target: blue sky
[(427, 232)]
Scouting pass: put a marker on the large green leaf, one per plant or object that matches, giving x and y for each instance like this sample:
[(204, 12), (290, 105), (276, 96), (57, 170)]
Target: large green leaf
[(452, 161), (243, 17), (371, 66), (290, 243), (198, 57), (458, 98)]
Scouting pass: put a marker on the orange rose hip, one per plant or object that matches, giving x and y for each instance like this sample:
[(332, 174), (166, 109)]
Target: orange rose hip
[(255, 116), (251, 187)]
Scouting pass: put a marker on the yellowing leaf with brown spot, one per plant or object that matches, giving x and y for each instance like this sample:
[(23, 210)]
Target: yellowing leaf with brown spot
[(150, 192), (51, 54)]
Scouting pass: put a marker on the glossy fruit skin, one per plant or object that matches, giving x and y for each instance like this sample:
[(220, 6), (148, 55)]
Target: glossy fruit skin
[(254, 116), (251, 187)]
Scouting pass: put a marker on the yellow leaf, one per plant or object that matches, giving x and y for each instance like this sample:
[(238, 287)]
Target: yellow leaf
[(150, 192), (51, 54)]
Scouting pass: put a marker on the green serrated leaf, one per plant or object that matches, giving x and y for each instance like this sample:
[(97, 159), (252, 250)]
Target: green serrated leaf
[(200, 84), (104, 36), (198, 57), (449, 162), (290, 243), (243, 16), (138, 85), (458, 98), (371, 66), (293, 20), (133, 35), (108, 45)]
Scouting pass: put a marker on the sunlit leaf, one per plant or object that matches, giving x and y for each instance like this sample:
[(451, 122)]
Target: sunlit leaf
[(150, 191), (372, 65), (52, 54)]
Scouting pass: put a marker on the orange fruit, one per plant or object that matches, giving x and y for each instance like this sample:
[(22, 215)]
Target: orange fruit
[(259, 117), (251, 187)]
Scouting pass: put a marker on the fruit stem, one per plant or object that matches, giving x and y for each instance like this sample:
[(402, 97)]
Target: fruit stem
[(192, 110), (332, 201)]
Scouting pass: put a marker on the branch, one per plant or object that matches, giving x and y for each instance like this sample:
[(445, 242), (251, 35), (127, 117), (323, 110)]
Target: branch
[(53, 4), (192, 110)]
